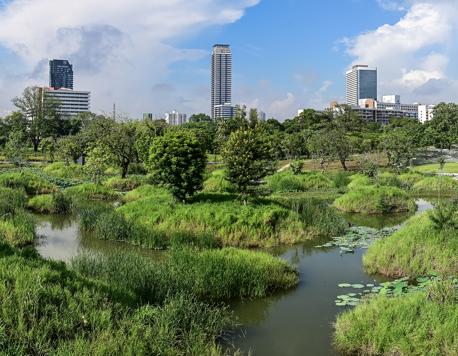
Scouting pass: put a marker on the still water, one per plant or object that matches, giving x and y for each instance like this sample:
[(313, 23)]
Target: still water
[(298, 322)]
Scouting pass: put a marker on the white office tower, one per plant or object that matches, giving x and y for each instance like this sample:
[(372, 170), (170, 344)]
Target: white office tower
[(71, 102), (174, 118), (361, 83), (221, 96), (425, 113)]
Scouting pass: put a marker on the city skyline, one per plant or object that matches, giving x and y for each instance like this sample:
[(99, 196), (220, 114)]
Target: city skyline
[(279, 67)]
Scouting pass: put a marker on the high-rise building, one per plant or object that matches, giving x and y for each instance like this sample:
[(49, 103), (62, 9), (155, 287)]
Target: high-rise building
[(361, 84), (60, 74), (71, 102), (425, 113), (221, 96), (174, 118)]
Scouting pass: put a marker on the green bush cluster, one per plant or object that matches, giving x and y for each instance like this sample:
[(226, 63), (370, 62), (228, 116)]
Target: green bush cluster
[(375, 200), (90, 191), (56, 203), (125, 184), (216, 275), (416, 250), (47, 309), (28, 181), (417, 324), (66, 171)]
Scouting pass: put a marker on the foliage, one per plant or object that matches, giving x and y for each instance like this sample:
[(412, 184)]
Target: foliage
[(249, 158), (368, 167), (90, 191), (17, 229), (71, 148), (375, 200), (15, 148), (177, 161), (416, 250), (443, 128), (212, 275), (444, 217), (147, 131), (11, 200), (65, 171), (217, 183), (297, 166), (124, 184), (288, 182), (400, 147), (444, 186), (450, 167), (56, 203), (407, 325), (321, 147), (27, 180)]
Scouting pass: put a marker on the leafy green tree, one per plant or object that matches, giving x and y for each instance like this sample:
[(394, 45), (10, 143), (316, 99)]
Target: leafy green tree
[(70, 148), (206, 132), (147, 131), (443, 128), (249, 157), (177, 161), (321, 147), (295, 145), (96, 164), (15, 148), (41, 113), (400, 147), (200, 118), (49, 148), (297, 166)]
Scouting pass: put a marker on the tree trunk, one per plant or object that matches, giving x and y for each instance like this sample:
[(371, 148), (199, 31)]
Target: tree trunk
[(343, 161), (125, 169), (36, 143)]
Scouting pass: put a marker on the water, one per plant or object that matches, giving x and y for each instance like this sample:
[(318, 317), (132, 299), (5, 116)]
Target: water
[(298, 322)]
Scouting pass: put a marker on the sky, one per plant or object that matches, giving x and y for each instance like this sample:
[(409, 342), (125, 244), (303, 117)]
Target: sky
[(154, 55)]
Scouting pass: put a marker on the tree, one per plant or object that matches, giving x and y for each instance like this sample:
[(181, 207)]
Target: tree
[(49, 148), (321, 147), (443, 128), (177, 161), (399, 146), (205, 132), (15, 148), (41, 113), (200, 118), (249, 157), (147, 131), (70, 148)]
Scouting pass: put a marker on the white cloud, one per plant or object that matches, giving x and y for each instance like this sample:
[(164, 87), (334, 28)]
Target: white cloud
[(414, 51), (120, 49), (278, 107), (392, 5)]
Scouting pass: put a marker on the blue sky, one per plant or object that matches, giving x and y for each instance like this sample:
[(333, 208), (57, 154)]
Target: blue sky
[(154, 55)]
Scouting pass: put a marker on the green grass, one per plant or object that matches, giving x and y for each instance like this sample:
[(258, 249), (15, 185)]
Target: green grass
[(210, 275), (216, 183), (450, 167), (288, 182), (417, 324), (415, 250), (17, 229), (125, 184), (70, 171), (27, 180), (90, 191), (375, 200), (434, 186), (47, 309), (226, 220), (56, 203), (11, 200)]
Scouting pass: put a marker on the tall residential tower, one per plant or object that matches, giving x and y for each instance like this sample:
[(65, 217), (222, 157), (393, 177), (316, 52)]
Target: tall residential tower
[(60, 74), (221, 106), (361, 84)]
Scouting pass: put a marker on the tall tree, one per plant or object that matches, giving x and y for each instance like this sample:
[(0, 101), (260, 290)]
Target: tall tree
[(200, 118), (43, 119), (249, 157), (443, 128)]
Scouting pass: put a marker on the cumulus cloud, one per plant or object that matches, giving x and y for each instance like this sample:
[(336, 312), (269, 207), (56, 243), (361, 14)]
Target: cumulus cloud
[(119, 48), (414, 53)]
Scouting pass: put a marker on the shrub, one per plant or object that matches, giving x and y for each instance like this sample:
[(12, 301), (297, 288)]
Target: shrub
[(30, 182), (11, 201), (375, 200), (124, 184), (408, 180), (90, 191), (215, 275), (17, 230), (67, 171), (47, 309), (436, 185), (296, 167), (340, 180), (408, 325), (416, 250)]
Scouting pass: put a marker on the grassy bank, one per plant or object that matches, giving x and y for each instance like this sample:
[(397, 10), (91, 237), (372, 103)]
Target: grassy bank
[(375, 200), (416, 250), (47, 309), (436, 186), (450, 167), (416, 324), (216, 275), (152, 218)]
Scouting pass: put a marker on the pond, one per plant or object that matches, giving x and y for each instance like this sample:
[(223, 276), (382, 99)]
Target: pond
[(298, 322)]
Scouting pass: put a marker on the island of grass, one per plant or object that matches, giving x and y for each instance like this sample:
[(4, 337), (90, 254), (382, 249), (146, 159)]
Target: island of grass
[(416, 250), (450, 167), (420, 323), (373, 199), (151, 217), (436, 186)]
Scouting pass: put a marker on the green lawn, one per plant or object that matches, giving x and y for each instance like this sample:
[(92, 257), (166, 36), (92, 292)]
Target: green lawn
[(434, 168)]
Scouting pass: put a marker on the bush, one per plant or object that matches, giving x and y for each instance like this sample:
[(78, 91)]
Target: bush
[(124, 184), (62, 170), (288, 182), (56, 203), (17, 230), (414, 324), (375, 200), (90, 191), (217, 275), (11, 201), (47, 309), (30, 182), (416, 250), (445, 186), (297, 166)]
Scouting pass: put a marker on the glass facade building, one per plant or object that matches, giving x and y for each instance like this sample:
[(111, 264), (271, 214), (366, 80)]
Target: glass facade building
[(361, 84), (60, 74), (221, 95)]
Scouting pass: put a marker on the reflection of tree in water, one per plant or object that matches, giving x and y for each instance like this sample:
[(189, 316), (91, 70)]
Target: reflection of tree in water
[(57, 222)]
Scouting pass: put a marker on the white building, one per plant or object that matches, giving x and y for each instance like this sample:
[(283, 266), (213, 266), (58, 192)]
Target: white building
[(221, 83), (361, 83), (72, 102), (174, 118), (425, 113)]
